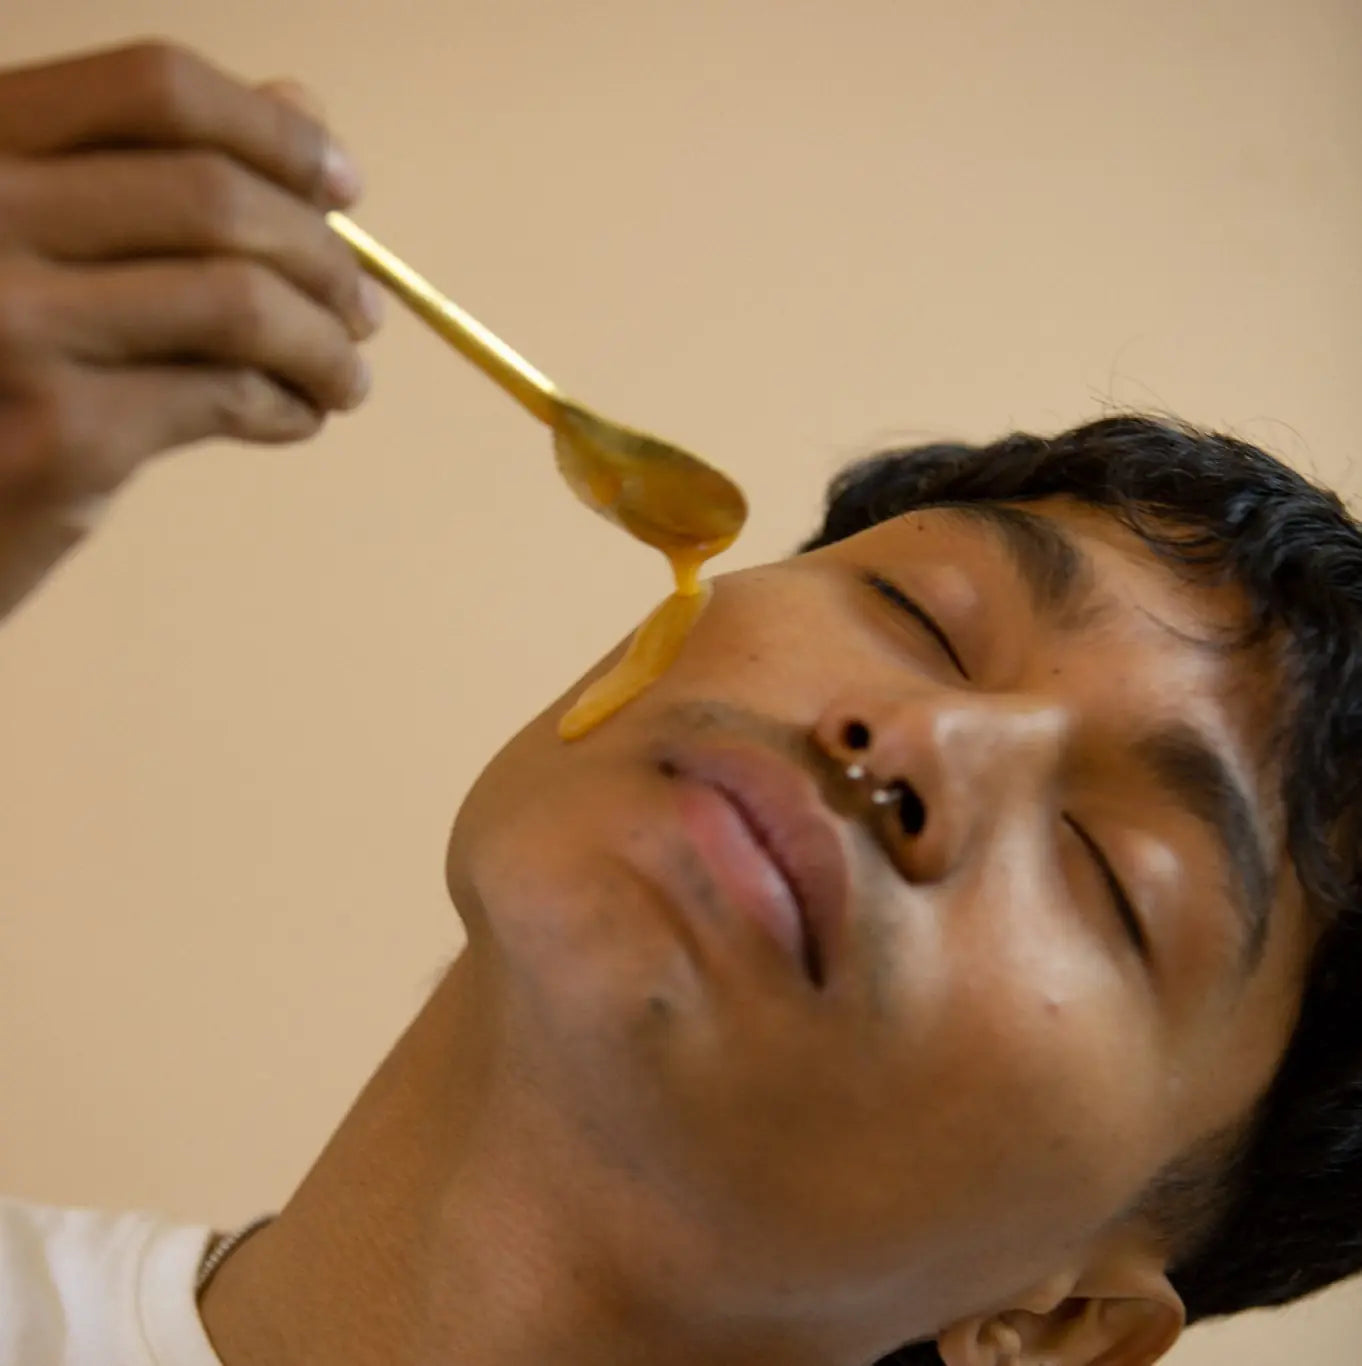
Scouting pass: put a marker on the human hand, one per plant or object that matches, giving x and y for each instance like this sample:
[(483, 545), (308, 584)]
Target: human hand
[(166, 276)]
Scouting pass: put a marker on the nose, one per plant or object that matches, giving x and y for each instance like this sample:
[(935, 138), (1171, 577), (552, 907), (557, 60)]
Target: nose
[(931, 773)]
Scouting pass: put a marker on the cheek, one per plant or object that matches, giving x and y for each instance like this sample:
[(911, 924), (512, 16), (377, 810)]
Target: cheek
[(761, 642), (1052, 1089), (772, 640), (579, 936), (1037, 1047)]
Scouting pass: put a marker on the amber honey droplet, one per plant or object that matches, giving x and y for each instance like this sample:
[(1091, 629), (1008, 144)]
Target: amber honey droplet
[(655, 644), (650, 654)]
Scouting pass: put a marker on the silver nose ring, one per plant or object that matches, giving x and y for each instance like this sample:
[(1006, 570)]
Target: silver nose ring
[(885, 795), (857, 735), (912, 815)]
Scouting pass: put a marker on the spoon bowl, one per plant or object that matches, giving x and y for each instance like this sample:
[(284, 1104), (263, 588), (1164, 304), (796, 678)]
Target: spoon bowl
[(657, 492)]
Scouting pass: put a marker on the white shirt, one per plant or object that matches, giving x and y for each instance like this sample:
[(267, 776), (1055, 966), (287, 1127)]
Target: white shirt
[(84, 1288)]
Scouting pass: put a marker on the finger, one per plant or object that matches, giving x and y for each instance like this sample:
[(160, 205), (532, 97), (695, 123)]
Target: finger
[(160, 95), (162, 408), (295, 93), (81, 431), (103, 206), (224, 311)]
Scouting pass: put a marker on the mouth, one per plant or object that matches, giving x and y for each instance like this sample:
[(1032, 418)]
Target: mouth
[(759, 823)]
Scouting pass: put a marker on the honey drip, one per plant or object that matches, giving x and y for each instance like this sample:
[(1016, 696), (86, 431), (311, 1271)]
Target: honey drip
[(677, 501), (654, 647)]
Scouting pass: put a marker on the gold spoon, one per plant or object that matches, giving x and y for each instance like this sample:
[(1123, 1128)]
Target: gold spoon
[(657, 492)]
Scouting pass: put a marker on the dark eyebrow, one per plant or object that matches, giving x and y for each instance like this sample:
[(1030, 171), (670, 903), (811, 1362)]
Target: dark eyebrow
[(1199, 779), (1056, 571)]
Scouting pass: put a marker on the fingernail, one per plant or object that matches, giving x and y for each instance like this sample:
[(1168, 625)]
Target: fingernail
[(361, 381), (373, 306), (341, 175)]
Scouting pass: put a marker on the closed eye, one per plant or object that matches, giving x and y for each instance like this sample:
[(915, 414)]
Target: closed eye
[(1125, 908), (892, 593)]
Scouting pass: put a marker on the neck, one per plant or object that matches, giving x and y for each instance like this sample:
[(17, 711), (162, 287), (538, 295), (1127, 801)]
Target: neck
[(450, 1220)]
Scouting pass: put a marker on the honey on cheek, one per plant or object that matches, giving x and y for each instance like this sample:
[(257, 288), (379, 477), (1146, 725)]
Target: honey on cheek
[(675, 501), (655, 645)]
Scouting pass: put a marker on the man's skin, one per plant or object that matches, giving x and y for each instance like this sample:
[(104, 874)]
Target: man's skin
[(632, 1125), (629, 1127)]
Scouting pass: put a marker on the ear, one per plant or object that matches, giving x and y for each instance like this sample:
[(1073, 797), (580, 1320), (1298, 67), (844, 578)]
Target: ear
[(1125, 1313)]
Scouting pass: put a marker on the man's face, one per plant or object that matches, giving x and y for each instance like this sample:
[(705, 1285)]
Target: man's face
[(972, 1057)]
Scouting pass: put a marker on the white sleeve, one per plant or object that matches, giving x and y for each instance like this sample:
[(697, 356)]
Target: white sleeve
[(84, 1288)]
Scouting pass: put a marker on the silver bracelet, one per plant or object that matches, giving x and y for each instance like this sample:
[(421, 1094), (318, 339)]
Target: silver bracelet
[(222, 1248)]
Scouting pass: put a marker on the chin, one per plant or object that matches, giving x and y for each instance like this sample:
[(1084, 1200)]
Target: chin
[(557, 887)]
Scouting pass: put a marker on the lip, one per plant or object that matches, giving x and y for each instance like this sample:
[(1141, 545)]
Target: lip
[(769, 810)]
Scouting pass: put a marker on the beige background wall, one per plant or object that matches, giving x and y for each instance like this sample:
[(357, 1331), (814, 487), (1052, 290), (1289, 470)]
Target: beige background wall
[(234, 731)]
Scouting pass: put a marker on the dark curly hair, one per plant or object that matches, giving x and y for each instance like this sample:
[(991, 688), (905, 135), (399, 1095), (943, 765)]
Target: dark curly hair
[(1274, 1211)]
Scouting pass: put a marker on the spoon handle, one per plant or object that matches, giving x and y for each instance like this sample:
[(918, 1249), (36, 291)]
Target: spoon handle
[(486, 350)]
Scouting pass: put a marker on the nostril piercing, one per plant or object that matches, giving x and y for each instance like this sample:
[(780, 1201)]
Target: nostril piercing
[(856, 735)]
